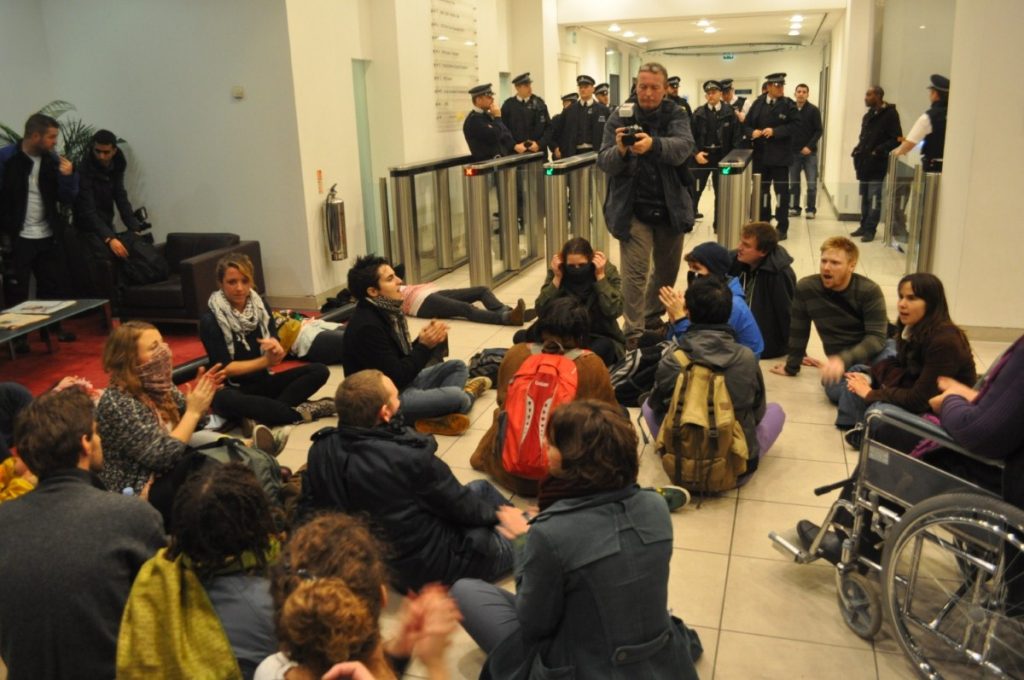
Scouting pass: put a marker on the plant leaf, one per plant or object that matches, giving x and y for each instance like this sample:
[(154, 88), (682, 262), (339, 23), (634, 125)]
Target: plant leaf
[(57, 108)]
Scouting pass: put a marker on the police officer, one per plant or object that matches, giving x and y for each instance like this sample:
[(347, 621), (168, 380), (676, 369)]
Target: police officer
[(525, 115), (729, 97), (485, 134), (582, 123), (673, 94), (771, 122), (554, 131), (716, 132), (602, 93), (930, 127)]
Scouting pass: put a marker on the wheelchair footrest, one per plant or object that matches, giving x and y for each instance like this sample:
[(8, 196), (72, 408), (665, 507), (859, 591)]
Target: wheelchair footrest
[(798, 555)]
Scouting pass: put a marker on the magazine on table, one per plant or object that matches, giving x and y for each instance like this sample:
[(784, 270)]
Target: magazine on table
[(39, 306), (12, 322)]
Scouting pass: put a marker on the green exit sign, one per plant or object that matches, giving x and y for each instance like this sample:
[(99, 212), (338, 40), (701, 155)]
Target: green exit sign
[(728, 56)]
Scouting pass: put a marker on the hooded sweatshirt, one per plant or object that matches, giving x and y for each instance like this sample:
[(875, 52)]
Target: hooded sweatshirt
[(769, 288)]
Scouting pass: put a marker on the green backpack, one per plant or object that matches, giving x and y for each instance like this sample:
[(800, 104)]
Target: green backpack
[(230, 450), (701, 443)]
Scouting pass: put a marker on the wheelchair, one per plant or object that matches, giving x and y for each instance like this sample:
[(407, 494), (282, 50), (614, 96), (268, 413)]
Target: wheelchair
[(950, 578)]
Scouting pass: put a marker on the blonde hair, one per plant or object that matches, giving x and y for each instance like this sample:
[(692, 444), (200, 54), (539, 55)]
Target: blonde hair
[(844, 244), (239, 261), (121, 363)]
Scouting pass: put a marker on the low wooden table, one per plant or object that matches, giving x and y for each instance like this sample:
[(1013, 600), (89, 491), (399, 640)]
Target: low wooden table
[(80, 307)]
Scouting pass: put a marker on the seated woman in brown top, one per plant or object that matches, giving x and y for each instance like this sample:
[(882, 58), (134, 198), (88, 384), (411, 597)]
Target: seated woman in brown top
[(563, 326)]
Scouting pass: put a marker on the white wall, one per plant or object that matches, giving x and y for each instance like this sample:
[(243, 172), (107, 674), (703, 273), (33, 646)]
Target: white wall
[(910, 54), (587, 50), (24, 62)]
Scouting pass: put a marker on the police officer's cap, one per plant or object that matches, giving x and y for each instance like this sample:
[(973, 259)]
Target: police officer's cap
[(571, 97), (775, 78), (673, 81), (602, 88), (940, 83), (482, 89), (522, 79), (726, 84), (712, 85), (584, 80)]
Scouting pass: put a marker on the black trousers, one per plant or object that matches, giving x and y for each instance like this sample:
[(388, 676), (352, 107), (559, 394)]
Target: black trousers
[(45, 258), (271, 398), (458, 302), (779, 176), (701, 176)]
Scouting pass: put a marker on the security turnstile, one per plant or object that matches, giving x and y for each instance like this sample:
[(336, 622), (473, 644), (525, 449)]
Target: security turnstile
[(736, 202), (574, 193)]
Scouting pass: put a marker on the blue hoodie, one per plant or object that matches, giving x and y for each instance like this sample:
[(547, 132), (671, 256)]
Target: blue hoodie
[(741, 319)]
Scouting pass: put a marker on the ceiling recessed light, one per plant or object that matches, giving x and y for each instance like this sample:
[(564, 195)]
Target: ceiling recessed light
[(614, 28), (794, 32), (628, 34), (470, 43), (921, 26), (711, 29), (442, 38), (703, 23), (795, 27), (796, 17), (643, 39), (609, 52)]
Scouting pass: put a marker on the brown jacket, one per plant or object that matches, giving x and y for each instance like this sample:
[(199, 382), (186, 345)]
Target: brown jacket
[(594, 383)]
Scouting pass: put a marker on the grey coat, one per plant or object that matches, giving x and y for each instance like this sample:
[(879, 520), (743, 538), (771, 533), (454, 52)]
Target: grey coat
[(671, 150), (716, 346), (592, 594)]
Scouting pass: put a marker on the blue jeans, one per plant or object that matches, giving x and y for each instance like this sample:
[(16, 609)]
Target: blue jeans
[(437, 391), (852, 407), (870, 205), (809, 164), (500, 550)]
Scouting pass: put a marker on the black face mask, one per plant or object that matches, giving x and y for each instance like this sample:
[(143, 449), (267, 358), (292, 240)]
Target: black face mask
[(578, 279), (692, 276)]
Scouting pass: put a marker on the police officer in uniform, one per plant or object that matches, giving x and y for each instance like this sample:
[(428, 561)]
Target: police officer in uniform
[(525, 115), (554, 130), (673, 94), (930, 127), (716, 132), (602, 93), (771, 122), (582, 123), (730, 98), (485, 134)]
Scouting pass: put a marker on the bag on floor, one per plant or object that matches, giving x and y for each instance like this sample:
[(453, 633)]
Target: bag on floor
[(701, 443), (230, 450), (486, 363), (542, 384), (634, 375)]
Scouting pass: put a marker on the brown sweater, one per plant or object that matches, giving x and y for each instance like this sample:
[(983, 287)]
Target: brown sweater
[(594, 383)]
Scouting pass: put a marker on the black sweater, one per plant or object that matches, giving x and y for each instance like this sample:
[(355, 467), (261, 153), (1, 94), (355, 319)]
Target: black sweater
[(370, 342)]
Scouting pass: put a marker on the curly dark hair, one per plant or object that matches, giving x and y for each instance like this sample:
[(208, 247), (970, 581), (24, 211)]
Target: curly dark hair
[(220, 513), (597, 444), (565, 320)]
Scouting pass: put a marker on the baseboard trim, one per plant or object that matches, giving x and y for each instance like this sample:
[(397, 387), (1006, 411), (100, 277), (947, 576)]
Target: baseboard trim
[(304, 302), (992, 333)]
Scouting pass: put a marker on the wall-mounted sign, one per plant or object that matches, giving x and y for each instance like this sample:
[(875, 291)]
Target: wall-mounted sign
[(728, 56), (456, 60)]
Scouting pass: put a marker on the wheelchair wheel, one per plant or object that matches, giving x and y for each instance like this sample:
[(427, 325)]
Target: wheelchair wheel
[(860, 604), (953, 587)]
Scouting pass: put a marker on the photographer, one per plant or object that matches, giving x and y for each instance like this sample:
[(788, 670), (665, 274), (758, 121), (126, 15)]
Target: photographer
[(647, 209)]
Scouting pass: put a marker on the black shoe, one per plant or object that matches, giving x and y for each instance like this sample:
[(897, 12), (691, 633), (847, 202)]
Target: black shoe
[(811, 214), (830, 549), (699, 216), (860, 232), (867, 238), (783, 236)]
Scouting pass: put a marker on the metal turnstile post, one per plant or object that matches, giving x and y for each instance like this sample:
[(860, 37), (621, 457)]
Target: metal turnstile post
[(579, 196), (921, 240), (476, 198), (443, 209), (557, 221), (734, 202), (755, 197), (533, 216), (889, 200), (509, 217), (405, 218), (599, 228)]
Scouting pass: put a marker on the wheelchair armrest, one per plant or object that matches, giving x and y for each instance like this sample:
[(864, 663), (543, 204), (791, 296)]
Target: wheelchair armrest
[(916, 425)]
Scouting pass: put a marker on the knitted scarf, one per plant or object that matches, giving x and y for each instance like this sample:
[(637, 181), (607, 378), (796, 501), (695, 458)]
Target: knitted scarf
[(158, 386), (237, 325), (552, 489), (393, 310)]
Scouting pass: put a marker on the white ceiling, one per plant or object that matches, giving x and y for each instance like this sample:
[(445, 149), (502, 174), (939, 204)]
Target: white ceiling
[(733, 32)]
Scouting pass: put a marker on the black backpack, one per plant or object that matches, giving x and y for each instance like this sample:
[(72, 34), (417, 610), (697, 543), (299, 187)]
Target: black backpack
[(486, 363), (634, 375), (144, 263)]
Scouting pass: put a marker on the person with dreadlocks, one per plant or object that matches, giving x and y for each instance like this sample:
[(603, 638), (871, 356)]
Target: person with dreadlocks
[(202, 607)]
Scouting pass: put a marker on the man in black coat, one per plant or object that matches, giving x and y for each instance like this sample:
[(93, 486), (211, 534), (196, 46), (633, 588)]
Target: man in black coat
[(554, 131), (436, 529), (716, 132), (880, 133), (729, 97), (673, 95), (525, 115), (765, 271), (770, 125), (483, 129), (582, 123), (805, 152)]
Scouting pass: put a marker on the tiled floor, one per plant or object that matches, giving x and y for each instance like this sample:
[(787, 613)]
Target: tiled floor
[(759, 615)]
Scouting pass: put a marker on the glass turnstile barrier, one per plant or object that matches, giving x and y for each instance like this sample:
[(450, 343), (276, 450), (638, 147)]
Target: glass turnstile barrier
[(574, 193), (910, 199)]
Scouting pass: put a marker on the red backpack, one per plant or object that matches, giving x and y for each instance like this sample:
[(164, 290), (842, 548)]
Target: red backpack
[(542, 383)]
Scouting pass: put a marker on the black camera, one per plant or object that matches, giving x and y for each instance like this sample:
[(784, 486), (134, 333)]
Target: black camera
[(629, 135), (142, 215)]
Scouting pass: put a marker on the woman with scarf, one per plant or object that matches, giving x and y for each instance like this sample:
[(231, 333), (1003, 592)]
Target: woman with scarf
[(239, 333), (592, 567), (146, 423), (580, 272)]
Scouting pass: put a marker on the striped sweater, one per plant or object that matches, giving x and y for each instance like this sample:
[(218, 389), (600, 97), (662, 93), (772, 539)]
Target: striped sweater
[(852, 323)]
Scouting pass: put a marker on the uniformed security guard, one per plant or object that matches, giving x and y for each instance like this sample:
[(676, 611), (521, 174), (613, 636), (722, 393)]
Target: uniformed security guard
[(582, 123), (673, 94), (558, 121), (485, 134), (716, 132), (930, 127), (525, 115), (770, 123), (603, 93), (729, 97)]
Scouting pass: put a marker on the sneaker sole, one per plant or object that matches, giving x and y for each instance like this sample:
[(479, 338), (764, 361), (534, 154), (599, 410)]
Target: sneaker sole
[(451, 426)]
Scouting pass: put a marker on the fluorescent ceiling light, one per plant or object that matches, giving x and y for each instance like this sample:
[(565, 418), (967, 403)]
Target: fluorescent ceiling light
[(609, 52), (470, 43), (442, 38), (711, 29), (796, 17), (643, 39), (795, 27), (628, 34), (703, 23), (794, 32), (614, 28), (921, 26)]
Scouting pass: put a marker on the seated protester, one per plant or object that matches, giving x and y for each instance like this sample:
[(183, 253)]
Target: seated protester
[(428, 301), (13, 398), (591, 568), (146, 422), (711, 259), (337, 621), (765, 272), (69, 550), (563, 327), (202, 606), (928, 345), (712, 342), (435, 399), (239, 333), (848, 311), (583, 274), (436, 528)]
